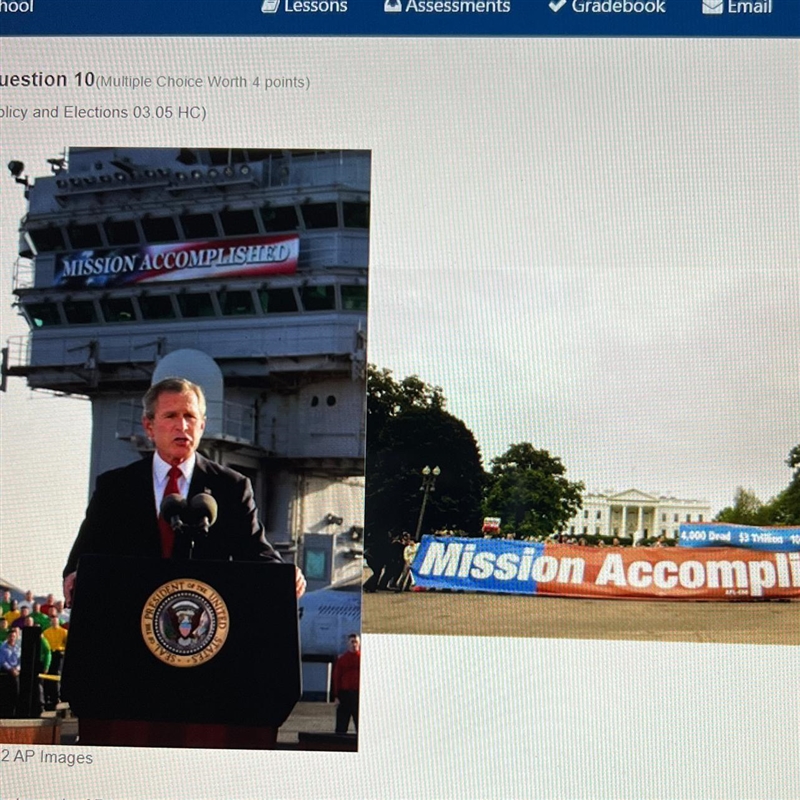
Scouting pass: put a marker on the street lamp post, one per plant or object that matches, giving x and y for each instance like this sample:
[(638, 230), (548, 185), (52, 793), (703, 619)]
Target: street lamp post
[(429, 477)]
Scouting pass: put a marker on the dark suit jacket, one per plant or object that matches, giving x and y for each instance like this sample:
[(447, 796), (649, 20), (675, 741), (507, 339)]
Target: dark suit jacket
[(121, 518)]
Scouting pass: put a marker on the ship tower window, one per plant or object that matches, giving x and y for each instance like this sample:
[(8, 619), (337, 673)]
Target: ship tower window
[(236, 303), (318, 298), (199, 226), (220, 157), (355, 215), (159, 229), (238, 222), (43, 315), (117, 309), (354, 298), (320, 215), (121, 232), (158, 306), (84, 237), (80, 312), (277, 301), (196, 304), (45, 240), (280, 218)]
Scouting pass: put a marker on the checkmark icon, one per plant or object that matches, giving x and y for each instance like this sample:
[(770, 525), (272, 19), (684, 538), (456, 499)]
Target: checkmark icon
[(555, 7)]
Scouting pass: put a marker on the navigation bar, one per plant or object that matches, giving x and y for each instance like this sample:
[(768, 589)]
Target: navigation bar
[(428, 18)]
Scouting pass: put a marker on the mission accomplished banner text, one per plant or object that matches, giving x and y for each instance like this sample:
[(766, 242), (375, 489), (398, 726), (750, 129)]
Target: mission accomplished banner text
[(496, 565), (228, 258)]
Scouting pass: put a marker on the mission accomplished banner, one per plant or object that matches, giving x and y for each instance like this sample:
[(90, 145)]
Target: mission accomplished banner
[(496, 565), (717, 534), (184, 261)]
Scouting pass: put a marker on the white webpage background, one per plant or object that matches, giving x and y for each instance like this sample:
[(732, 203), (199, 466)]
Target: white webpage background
[(590, 245)]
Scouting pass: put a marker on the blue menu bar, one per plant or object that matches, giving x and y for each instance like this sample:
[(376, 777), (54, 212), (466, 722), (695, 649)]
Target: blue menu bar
[(426, 18)]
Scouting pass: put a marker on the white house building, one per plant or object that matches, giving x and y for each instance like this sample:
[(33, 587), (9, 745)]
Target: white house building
[(635, 515)]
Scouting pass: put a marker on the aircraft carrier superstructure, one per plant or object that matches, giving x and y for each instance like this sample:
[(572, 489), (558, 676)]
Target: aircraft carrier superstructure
[(243, 270)]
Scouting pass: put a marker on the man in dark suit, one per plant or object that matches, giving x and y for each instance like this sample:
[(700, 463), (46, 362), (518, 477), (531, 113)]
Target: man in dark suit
[(123, 519)]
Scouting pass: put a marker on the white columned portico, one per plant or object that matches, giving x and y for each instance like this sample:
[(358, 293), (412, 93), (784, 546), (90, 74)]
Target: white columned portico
[(612, 511)]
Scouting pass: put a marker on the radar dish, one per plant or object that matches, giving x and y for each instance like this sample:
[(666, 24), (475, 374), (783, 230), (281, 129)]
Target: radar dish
[(200, 368)]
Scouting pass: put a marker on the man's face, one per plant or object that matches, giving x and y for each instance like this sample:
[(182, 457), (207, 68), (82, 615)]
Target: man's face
[(354, 644), (177, 426), (12, 637)]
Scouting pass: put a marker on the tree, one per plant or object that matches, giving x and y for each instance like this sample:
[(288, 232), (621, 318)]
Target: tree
[(528, 490), (747, 509), (784, 509), (408, 429), (386, 398), (787, 503)]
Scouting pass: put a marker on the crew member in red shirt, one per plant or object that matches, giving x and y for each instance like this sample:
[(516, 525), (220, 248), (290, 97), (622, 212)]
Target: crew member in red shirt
[(346, 675)]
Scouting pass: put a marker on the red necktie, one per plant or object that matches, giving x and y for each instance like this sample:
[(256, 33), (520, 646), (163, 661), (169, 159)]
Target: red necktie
[(167, 534)]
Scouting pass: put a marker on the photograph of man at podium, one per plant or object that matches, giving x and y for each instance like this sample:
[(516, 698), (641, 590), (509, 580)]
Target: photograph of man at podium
[(124, 517), (195, 568)]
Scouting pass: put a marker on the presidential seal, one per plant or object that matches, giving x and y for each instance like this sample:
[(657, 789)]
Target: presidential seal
[(184, 623)]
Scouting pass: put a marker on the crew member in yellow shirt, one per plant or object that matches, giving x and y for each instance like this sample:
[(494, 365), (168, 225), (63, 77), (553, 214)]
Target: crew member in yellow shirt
[(56, 637)]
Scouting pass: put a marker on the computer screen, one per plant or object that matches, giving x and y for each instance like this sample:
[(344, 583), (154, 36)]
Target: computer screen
[(400, 399)]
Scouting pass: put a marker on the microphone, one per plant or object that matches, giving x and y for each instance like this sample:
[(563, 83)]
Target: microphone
[(204, 510), (172, 508)]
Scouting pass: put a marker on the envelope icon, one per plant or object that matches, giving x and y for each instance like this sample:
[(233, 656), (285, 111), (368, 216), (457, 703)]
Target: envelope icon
[(713, 6)]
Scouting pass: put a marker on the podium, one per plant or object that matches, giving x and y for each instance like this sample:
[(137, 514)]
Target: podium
[(182, 653)]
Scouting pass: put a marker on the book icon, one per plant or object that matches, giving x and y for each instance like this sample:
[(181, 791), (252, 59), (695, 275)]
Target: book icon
[(390, 6), (270, 6)]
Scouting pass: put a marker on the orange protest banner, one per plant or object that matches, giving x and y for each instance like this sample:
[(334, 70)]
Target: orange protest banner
[(673, 573)]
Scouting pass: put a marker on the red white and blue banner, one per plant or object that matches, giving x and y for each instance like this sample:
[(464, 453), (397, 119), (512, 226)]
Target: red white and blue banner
[(720, 534), (181, 261), (676, 573)]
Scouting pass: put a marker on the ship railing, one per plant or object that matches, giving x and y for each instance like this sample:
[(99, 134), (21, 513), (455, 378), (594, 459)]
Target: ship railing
[(341, 168), (129, 420), (33, 350), (24, 276), (238, 421), (19, 350)]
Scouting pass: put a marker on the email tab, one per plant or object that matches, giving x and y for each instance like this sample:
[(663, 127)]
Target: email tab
[(731, 7), (758, 7)]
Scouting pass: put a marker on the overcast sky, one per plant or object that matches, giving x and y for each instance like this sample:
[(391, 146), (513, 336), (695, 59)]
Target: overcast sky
[(603, 262), (613, 272)]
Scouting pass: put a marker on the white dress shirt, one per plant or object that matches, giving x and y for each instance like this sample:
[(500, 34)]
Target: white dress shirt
[(161, 477)]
